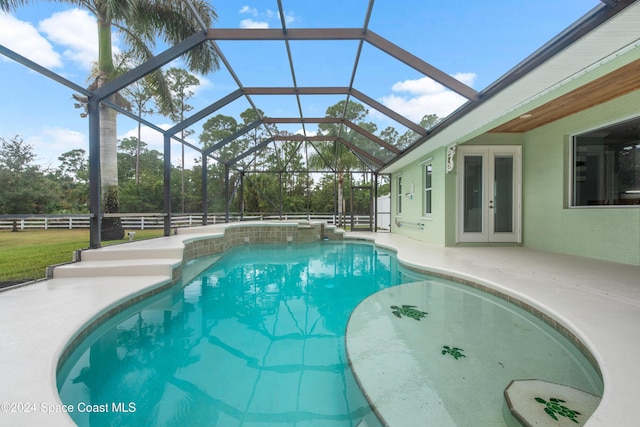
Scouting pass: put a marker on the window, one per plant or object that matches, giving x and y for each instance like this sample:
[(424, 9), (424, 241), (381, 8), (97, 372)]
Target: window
[(427, 190), (606, 166), (399, 188)]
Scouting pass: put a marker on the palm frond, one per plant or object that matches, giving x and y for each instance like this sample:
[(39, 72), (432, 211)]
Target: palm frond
[(139, 52), (116, 10), (161, 91), (173, 22)]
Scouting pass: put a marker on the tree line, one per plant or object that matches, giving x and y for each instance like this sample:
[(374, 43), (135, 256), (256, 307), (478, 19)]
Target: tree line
[(279, 176), (29, 188)]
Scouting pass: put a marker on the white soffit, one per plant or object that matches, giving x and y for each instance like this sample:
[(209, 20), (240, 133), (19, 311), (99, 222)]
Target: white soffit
[(592, 50)]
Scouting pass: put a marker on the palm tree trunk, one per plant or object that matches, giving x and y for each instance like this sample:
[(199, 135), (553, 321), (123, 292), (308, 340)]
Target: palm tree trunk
[(111, 227), (138, 151), (182, 173), (340, 200), (108, 149)]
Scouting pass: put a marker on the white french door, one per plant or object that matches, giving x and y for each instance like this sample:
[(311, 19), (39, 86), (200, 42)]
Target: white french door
[(489, 193)]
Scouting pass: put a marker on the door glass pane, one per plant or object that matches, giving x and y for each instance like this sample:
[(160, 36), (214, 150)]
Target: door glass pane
[(503, 195), (472, 214)]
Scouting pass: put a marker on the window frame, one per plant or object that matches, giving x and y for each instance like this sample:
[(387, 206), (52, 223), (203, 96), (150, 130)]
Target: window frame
[(427, 184), (605, 162), (399, 194)]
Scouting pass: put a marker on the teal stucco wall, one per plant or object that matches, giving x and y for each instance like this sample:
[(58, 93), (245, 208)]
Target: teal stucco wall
[(549, 223), (434, 225)]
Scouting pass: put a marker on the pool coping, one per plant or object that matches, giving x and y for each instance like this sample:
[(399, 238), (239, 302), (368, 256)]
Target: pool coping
[(36, 324)]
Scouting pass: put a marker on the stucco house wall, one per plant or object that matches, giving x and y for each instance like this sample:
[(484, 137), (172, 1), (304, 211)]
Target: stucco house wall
[(432, 227), (548, 221)]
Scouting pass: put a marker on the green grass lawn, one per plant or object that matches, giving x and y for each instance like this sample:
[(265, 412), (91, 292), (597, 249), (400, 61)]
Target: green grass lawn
[(25, 255)]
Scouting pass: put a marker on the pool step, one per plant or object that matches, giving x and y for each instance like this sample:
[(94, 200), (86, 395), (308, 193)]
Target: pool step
[(133, 267), (128, 252), (543, 403), (141, 258)]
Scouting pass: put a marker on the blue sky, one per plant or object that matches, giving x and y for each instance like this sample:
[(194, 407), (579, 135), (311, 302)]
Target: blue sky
[(474, 41)]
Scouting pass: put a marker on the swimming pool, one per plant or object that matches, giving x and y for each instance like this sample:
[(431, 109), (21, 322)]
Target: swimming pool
[(257, 339)]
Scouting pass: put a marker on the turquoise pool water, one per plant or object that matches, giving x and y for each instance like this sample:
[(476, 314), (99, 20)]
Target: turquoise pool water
[(255, 340)]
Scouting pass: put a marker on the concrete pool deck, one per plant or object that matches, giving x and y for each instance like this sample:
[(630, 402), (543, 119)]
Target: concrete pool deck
[(598, 301)]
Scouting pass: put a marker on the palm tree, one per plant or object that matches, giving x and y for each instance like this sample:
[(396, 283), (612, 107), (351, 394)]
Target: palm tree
[(140, 22), (344, 161)]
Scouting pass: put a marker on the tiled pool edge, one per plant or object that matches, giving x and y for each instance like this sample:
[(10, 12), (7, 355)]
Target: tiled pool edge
[(240, 234), (105, 315)]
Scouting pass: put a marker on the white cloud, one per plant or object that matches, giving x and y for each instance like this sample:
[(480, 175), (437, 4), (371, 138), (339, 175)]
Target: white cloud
[(76, 30), (250, 23), (51, 142), (23, 38), (155, 141), (309, 132), (288, 19), (262, 19), (205, 84), (416, 98), (250, 10)]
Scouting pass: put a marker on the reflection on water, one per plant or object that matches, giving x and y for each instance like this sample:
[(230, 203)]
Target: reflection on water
[(257, 339)]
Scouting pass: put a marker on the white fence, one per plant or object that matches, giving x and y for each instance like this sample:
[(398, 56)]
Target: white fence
[(384, 213), (43, 221), (149, 221), (156, 221), (129, 221)]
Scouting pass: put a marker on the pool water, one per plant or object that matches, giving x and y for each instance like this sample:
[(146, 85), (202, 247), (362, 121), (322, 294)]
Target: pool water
[(255, 340)]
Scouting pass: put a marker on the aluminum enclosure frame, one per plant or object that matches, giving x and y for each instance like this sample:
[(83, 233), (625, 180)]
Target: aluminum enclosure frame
[(99, 97)]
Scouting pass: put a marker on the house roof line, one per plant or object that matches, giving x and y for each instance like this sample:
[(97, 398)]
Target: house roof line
[(590, 22)]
